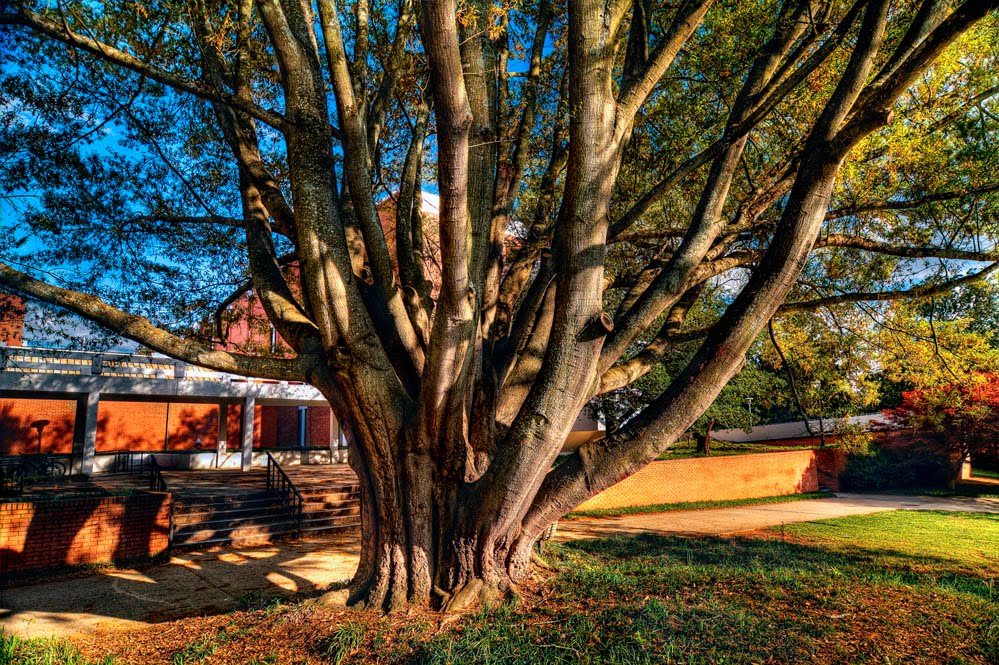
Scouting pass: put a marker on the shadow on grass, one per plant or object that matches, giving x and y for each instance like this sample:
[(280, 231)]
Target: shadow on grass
[(739, 555), (663, 599)]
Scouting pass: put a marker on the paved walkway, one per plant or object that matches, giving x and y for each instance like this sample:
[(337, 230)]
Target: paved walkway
[(721, 521), (218, 581), (190, 583)]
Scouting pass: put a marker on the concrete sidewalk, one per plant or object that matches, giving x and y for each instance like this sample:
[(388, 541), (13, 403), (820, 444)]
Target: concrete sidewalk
[(218, 581), (189, 584), (721, 521)]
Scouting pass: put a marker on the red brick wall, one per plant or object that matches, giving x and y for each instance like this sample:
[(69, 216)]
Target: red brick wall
[(248, 329), (130, 425), (234, 425), (17, 437), (318, 426), (279, 426), (830, 464), (127, 425), (148, 425), (713, 479), (189, 422), (11, 320), (74, 531), (268, 426)]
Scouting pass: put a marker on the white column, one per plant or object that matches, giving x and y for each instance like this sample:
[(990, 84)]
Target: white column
[(334, 437), (342, 441), (223, 437), (90, 434), (247, 457), (303, 424)]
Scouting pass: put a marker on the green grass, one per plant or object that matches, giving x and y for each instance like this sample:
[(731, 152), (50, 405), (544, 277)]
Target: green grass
[(17, 651), (985, 473), (344, 640), (200, 650), (695, 505), (688, 449), (890, 588), (932, 540), (975, 491)]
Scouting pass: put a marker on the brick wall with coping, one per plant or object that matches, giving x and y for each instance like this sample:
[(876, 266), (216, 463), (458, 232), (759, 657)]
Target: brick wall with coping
[(71, 531), (721, 478)]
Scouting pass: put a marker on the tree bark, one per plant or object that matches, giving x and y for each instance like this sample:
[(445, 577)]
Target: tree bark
[(704, 441)]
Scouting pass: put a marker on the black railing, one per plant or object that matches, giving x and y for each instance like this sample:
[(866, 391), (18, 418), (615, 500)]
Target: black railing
[(157, 483), (11, 480), (15, 471), (278, 481), (130, 462)]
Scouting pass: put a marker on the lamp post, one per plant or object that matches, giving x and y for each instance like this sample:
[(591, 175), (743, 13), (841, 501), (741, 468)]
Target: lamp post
[(39, 425)]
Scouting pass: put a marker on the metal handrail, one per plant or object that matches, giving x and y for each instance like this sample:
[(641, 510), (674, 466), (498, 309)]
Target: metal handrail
[(278, 481), (11, 478), (157, 483), (130, 462)]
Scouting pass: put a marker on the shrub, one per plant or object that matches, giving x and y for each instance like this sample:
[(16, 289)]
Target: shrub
[(853, 439), (886, 468)]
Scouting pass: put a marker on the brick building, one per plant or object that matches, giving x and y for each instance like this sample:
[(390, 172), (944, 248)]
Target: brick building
[(796, 433), (88, 406)]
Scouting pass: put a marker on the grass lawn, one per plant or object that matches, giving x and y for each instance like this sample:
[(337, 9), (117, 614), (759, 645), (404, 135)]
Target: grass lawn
[(688, 449), (985, 473), (905, 587), (696, 505)]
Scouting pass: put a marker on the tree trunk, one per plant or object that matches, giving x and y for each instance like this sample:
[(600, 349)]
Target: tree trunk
[(420, 545), (704, 442)]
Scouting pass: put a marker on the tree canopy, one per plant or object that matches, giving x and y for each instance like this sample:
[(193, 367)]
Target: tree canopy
[(624, 185)]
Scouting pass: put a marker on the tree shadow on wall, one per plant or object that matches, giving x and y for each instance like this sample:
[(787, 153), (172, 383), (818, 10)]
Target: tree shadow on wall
[(194, 425), (19, 437)]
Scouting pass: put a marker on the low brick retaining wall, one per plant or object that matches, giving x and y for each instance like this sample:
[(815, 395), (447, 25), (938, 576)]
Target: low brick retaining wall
[(723, 478), (69, 531)]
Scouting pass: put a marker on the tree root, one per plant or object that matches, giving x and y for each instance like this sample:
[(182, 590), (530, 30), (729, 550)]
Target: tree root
[(336, 598), (474, 593), (541, 563)]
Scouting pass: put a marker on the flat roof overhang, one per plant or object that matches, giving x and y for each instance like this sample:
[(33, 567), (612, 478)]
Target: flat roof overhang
[(15, 384)]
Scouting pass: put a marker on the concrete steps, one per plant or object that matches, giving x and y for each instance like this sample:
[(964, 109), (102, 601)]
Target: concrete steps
[(232, 519), (244, 512)]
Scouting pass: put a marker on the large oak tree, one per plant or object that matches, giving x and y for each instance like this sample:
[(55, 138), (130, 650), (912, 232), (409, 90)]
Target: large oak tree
[(601, 165)]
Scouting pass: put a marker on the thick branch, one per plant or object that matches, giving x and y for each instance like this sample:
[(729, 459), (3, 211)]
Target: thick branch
[(357, 171), (868, 245), (141, 330), (629, 371)]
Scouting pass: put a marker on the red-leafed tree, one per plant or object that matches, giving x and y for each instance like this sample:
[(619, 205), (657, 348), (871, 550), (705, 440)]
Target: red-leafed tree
[(963, 416)]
